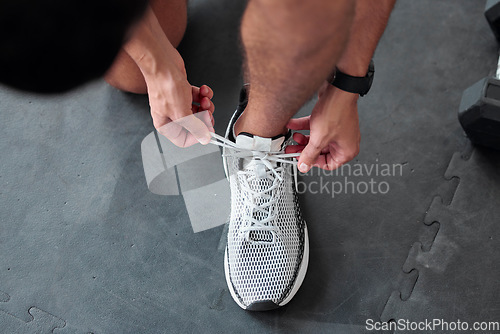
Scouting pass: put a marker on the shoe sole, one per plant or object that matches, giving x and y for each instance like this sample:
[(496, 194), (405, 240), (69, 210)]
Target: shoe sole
[(266, 305)]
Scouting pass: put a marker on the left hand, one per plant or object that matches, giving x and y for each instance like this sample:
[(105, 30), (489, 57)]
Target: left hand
[(171, 99), (334, 131)]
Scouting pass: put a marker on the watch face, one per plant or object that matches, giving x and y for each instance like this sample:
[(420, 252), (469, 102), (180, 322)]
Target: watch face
[(369, 81)]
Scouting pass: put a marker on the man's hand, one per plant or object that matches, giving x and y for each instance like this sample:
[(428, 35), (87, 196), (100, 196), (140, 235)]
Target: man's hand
[(334, 131), (184, 125), (174, 102)]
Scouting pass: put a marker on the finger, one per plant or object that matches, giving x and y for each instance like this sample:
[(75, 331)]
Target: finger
[(196, 94), (212, 119), (195, 107), (207, 118), (309, 156), (328, 162), (195, 90), (300, 138), (197, 128), (207, 104), (299, 123), (174, 132), (190, 140), (200, 92), (294, 148), (206, 91)]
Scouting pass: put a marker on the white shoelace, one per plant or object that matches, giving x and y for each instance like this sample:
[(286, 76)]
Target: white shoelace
[(273, 173)]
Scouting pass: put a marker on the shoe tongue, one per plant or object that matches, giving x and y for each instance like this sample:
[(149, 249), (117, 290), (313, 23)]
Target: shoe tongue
[(256, 143)]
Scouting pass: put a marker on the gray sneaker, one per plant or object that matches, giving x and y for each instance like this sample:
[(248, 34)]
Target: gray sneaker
[(267, 250)]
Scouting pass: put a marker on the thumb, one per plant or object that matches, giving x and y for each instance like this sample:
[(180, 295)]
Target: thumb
[(309, 155), (196, 127)]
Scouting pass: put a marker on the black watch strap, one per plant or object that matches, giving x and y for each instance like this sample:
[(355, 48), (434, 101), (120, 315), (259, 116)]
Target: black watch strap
[(351, 84)]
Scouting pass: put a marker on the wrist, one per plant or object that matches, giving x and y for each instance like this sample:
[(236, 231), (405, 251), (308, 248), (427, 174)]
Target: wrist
[(337, 94), (354, 67), (155, 62), (359, 84), (342, 95)]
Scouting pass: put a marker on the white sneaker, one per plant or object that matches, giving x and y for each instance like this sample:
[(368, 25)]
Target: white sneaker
[(267, 251)]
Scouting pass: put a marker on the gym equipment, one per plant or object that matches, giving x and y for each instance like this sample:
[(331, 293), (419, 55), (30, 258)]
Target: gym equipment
[(492, 14), (479, 111)]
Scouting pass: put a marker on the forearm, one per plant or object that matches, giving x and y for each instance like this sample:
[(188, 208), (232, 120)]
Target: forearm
[(150, 48), (369, 23)]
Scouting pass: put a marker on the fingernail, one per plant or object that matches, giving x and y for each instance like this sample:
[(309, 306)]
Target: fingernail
[(303, 168)]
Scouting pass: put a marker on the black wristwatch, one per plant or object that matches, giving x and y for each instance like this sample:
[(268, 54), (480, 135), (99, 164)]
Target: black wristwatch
[(356, 85)]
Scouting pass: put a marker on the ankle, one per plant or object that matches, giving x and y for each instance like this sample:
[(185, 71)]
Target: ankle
[(256, 126)]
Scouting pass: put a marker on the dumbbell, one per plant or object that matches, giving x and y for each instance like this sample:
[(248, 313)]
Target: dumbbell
[(492, 14), (479, 111)]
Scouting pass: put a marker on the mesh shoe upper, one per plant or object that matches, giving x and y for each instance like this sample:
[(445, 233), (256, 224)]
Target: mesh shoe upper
[(266, 229)]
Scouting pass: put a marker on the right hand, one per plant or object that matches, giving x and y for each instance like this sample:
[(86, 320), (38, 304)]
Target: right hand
[(334, 131)]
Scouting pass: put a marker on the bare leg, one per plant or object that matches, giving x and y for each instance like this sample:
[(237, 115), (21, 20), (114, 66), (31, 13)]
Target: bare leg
[(125, 74), (291, 47)]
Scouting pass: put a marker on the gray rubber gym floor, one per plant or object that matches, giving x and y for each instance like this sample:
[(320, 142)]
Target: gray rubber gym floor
[(85, 247)]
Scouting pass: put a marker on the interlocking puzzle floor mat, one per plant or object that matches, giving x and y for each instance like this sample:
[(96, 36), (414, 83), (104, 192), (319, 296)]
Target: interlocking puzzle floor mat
[(86, 248), (455, 268)]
